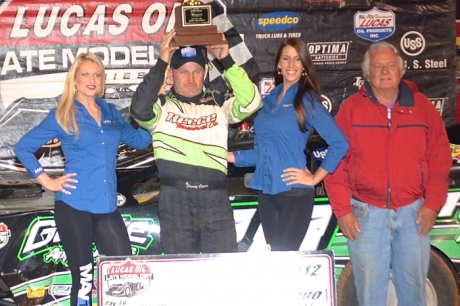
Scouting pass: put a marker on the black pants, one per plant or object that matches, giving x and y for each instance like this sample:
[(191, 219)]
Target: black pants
[(285, 217), (196, 221), (77, 230)]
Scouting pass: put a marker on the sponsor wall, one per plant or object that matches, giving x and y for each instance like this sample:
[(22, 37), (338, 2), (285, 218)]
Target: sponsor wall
[(40, 39)]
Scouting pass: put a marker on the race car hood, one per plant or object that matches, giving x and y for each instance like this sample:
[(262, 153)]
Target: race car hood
[(18, 205)]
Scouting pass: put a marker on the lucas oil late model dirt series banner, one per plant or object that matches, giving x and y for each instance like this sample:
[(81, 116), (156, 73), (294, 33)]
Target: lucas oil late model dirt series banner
[(40, 39)]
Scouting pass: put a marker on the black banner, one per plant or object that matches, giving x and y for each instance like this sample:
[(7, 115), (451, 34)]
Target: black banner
[(39, 40)]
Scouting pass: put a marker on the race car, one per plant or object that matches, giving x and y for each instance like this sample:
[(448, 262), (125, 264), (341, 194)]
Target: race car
[(33, 263), (126, 289)]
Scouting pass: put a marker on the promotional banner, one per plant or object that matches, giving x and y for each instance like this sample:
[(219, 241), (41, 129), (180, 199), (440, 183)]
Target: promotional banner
[(275, 278), (40, 39)]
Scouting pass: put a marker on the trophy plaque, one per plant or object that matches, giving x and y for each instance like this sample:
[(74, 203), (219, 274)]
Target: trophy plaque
[(194, 25)]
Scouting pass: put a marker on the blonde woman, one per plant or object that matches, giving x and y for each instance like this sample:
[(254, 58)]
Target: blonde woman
[(90, 131)]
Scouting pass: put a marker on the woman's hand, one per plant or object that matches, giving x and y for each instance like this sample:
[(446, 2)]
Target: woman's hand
[(294, 176), (59, 184)]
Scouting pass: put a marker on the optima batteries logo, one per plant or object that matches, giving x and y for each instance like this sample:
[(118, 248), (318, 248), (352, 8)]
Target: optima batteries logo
[(374, 25), (328, 51), (277, 21)]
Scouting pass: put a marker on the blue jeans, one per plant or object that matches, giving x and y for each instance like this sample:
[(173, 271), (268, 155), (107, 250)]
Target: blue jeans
[(389, 240)]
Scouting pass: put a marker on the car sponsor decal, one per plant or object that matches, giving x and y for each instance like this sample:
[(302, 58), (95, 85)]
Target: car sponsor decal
[(35, 293), (59, 290), (5, 235), (451, 206), (374, 24), (43, 239)]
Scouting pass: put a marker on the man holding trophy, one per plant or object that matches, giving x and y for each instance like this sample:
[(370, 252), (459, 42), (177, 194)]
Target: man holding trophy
[(189, 127)]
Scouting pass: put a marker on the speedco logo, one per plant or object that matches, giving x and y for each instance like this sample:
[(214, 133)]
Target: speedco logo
[(413, 43), (277, 21), (42, 238), (374, 25), (328, 51)]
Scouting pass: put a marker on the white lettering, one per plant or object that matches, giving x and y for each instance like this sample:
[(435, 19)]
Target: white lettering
[(46, 230), (97, 22), (11, 63), (452, 202), (158, 9), (50, 21), (76, 10), (17, 32), (121, 19), (86, 280)]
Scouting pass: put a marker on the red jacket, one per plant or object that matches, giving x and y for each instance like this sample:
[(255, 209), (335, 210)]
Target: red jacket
[(396, 156)]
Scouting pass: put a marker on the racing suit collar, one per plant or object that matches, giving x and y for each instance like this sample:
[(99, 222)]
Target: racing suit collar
[(181, 98)]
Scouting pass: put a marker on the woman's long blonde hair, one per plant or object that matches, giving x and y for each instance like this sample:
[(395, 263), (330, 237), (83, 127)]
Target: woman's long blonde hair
[(66, 110)]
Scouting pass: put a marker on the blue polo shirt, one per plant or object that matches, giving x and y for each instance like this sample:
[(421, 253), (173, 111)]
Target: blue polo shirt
[(92, 156), (280, 144)]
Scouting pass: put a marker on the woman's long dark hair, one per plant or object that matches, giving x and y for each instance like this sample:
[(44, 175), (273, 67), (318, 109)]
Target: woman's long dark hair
[(308, 80)]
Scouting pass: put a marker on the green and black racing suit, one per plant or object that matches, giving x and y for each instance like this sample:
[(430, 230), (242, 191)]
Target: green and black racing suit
[(190, 148)]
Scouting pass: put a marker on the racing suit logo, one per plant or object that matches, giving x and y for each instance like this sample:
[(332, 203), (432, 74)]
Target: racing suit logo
[(192, 124)]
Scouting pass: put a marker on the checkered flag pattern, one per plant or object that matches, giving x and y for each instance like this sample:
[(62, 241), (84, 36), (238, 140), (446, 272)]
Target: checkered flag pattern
[(238, 49)]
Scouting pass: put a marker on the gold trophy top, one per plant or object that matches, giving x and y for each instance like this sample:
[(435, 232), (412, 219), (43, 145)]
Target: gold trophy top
[(191, 3)]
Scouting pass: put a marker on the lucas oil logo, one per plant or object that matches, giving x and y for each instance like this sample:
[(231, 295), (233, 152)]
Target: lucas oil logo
[(374, 25), (127, 278), (277, 21)]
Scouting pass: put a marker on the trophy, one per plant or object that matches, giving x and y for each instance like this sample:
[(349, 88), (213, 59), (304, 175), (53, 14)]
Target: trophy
[(194, 25)]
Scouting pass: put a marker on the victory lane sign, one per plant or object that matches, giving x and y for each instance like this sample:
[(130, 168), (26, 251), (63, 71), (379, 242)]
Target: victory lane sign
[(244, 279)]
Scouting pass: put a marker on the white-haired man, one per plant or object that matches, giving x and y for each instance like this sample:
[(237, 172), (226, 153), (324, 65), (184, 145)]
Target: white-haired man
[(387, 191)]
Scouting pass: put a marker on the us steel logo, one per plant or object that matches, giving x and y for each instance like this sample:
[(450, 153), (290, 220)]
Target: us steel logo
[(413, 43)]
